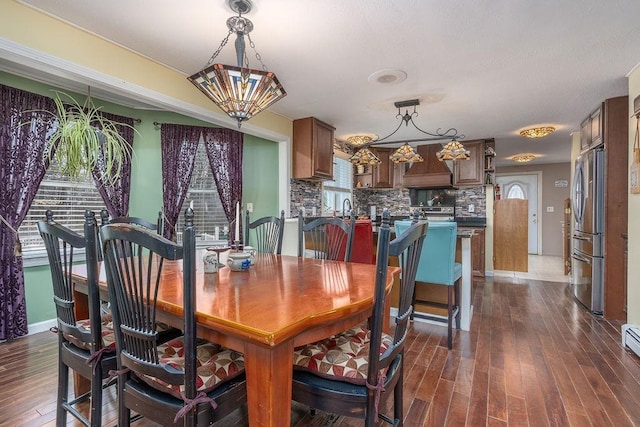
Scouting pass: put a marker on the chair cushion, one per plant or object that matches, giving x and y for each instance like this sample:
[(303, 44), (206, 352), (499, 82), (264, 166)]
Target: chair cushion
[(343, 357), (215, 365), (108, 337)]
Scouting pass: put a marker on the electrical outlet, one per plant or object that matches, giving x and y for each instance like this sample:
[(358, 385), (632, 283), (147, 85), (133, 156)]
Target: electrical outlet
[(549, 208), (472, 208), (250, 207)]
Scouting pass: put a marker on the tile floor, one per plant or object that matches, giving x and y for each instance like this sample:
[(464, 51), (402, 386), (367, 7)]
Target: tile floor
[(547, 268)]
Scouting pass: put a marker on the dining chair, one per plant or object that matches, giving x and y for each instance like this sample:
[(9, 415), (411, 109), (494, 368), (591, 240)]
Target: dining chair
[(269, 231), (325, 238), (342, 374), (141, 222), (186, 376), (438, 266), (85, 345)]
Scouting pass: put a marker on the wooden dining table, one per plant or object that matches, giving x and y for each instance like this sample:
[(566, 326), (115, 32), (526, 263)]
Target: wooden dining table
[(279, 303)]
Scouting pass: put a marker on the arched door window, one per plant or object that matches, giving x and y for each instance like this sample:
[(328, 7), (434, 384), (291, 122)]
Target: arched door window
[(516, 191)]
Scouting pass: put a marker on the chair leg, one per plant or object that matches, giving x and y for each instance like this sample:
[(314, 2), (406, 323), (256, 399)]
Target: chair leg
[(456, 286), (63, 392), (124, 413), (449, 317), (398, 412), (96, 396)]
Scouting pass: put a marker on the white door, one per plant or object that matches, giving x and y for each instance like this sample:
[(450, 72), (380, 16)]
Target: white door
[(524, 187)]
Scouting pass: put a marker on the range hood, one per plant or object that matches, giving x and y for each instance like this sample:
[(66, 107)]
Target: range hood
[(432, 173)]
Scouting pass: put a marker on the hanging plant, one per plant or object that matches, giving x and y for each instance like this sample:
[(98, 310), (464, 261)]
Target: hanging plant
[(83, 139)]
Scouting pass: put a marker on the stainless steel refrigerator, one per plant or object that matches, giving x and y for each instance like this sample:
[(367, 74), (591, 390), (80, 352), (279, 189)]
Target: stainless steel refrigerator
[(587, 258)]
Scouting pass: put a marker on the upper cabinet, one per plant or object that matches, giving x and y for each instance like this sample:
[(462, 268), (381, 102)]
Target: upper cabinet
[(479, 168), (312, 149), (382, 173), (591, 130)]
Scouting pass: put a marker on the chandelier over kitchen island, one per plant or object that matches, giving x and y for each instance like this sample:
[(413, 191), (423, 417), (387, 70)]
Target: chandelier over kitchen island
[(406, 153)]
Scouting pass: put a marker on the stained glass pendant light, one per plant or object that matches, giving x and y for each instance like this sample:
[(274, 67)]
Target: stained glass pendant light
[(239, 91), (405, 154), (453, 151), (364, 157)]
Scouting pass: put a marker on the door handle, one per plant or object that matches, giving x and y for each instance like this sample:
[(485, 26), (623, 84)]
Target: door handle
[(584, 239), (581, 258)]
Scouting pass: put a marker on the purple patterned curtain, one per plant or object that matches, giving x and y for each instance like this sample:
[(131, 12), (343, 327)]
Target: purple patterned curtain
[(116, 196), (179, 145), (21, 171), (224, 150)]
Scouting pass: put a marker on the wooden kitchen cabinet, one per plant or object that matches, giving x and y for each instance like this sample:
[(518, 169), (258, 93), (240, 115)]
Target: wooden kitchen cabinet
[(477, 252), (591, 130), (399, 170), (383, 172), (312, 149), (585, 134), (470, 173)]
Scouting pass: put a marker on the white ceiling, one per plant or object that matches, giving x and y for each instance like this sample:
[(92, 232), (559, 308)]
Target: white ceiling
[(488, 68)]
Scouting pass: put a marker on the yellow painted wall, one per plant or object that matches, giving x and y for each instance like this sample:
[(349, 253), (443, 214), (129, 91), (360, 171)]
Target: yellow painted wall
[(36, 30), (633, 270)]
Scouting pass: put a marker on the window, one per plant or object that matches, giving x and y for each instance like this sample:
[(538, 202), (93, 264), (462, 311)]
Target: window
[(516, 192), (336, 191), (67, 198), (209, 216)]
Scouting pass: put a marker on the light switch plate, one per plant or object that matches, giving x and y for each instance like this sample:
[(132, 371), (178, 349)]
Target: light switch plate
[(472, 208), (549, 208), (250, 207)]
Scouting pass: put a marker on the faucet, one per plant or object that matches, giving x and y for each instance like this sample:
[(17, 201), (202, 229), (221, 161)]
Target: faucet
[(344, 202)]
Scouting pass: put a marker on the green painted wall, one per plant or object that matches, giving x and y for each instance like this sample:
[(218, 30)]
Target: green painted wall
[(260, 179)]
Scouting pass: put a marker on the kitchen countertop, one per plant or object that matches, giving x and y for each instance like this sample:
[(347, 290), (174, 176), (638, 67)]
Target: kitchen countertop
[(471, 221)]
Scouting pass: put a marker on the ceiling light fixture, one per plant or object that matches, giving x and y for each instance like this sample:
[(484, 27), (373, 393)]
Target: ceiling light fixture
[(523, 158), (364, 157), (359, 140), (453, 151), (240, 91), (537, 132), (406, 154)]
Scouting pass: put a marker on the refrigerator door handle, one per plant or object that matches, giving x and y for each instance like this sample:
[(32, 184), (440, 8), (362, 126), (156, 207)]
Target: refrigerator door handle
[(581, 258), (583, 238)]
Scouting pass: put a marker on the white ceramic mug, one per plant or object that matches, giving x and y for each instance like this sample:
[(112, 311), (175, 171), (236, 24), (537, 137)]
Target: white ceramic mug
[(210, 261), (252, 253), (239, 261)]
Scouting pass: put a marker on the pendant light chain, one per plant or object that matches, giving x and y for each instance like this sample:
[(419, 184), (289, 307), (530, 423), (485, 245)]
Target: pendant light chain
[(222, 44), (258, 57)]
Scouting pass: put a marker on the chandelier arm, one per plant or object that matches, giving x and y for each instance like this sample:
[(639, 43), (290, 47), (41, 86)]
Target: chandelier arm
[(446, 134), (409, 141), (388, 136)]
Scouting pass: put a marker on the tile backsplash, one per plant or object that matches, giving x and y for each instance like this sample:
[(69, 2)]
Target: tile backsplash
[(308, 194)]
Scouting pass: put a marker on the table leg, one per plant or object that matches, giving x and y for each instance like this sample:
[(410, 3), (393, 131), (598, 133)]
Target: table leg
[(269, 373), (466, 310)]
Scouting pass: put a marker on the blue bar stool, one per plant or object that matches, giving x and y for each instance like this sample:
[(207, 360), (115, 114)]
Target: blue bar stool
[(438, 266)]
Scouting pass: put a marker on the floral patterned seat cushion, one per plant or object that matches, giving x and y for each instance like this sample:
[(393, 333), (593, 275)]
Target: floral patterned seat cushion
[(108, 337), (215, 364), (343, 357)]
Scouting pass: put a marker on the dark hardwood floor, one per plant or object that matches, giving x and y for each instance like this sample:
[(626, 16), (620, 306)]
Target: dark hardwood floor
[(533, 357)]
